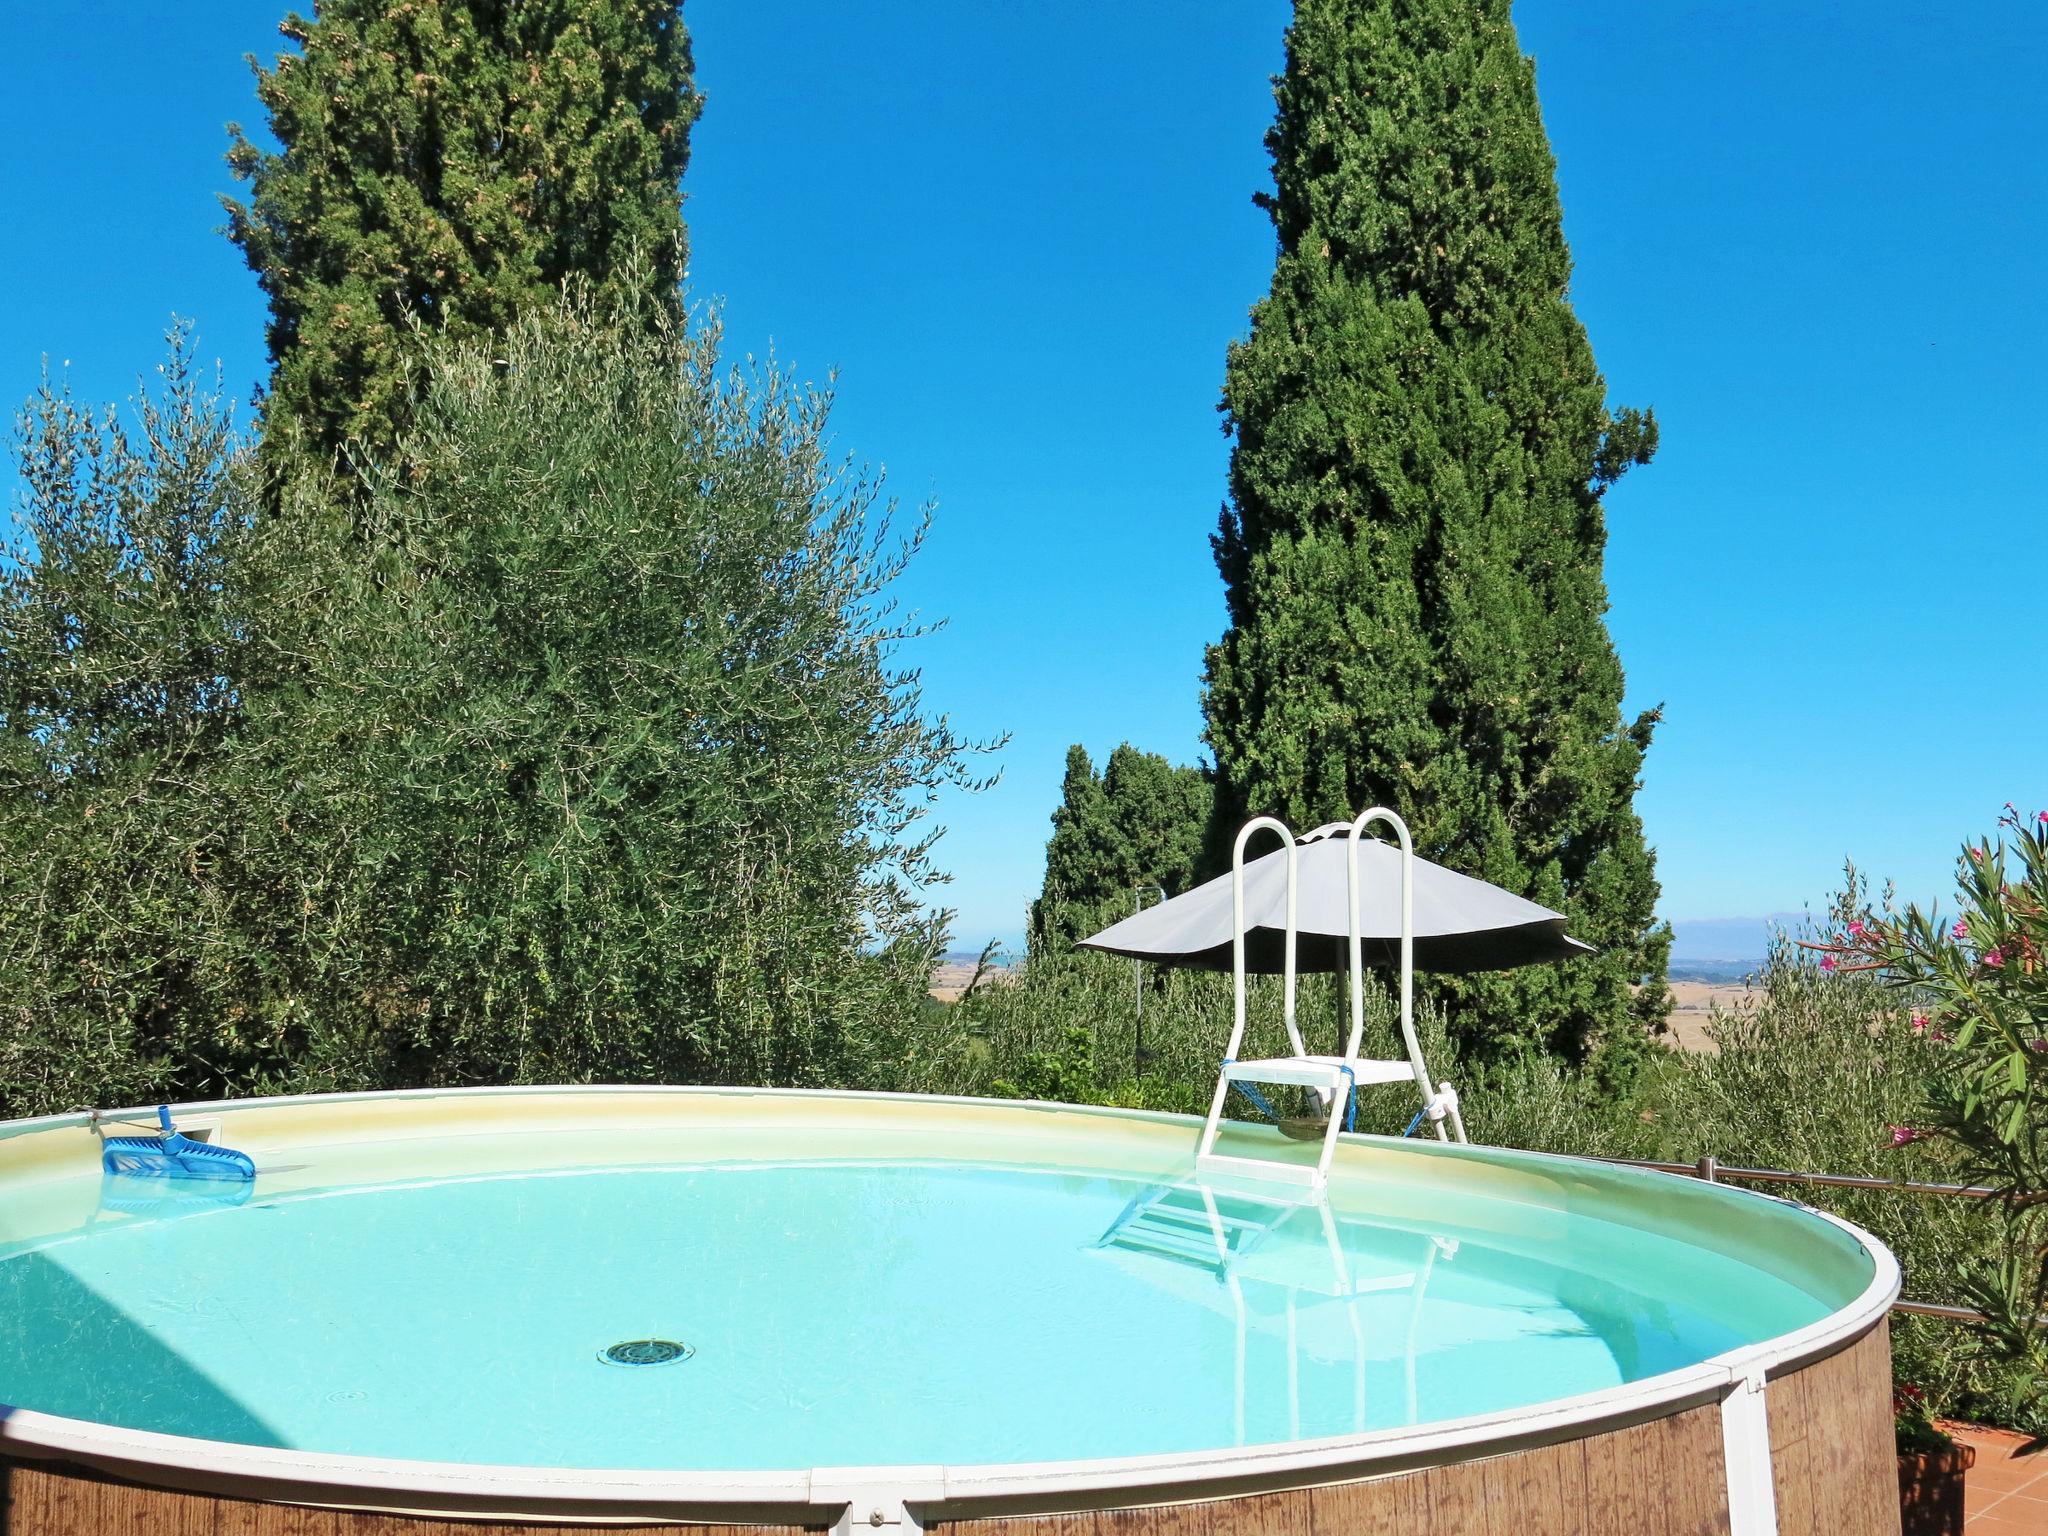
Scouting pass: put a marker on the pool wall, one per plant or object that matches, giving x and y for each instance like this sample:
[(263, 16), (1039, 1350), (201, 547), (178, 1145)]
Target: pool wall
[(1791, 1435)]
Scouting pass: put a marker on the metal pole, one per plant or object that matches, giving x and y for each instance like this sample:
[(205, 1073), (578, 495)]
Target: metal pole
[(1722, 1171), (1138, 980)]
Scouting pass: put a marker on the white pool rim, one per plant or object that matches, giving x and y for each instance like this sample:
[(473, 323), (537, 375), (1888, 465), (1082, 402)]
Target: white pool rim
[(896, 1496)]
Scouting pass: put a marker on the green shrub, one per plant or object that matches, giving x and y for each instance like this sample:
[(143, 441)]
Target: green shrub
[(1817, 1077), (1067, 1025), (125, 617)]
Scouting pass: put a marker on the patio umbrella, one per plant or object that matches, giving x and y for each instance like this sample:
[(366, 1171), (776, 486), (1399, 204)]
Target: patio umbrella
[(1461, 924)]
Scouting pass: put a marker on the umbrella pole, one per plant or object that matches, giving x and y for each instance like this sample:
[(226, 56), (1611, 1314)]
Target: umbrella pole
[(1138, 982)]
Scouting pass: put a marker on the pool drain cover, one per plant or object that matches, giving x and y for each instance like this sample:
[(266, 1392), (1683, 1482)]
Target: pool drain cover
[(647, 1352)]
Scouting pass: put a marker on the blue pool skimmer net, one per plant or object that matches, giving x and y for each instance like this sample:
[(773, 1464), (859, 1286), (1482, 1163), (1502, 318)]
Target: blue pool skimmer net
[(173, 1156)]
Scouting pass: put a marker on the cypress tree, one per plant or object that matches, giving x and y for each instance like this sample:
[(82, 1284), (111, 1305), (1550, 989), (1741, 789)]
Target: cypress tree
[(1140, 822), (1413, 542), (447, 163)]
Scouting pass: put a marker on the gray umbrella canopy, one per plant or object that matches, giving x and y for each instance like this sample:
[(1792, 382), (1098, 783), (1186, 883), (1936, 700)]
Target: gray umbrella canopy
[(1461, 924)]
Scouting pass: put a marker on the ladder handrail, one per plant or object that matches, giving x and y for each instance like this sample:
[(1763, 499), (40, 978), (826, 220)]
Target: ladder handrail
[(1237, 957), (1335, 1079), (1356, 955)]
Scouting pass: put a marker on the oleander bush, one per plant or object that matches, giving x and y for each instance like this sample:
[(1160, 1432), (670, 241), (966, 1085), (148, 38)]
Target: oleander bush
[(1820, 1075), (1978, 981)]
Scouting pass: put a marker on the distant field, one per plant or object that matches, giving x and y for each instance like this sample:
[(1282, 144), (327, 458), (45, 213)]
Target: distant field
[(1692, 1009), (950, 977)]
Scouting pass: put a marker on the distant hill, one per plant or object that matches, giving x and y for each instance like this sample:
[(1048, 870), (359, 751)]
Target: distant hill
[(1714, 973), (1724, 948)]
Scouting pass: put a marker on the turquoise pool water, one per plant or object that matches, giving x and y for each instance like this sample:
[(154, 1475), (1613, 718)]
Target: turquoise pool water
[(839, 1314)]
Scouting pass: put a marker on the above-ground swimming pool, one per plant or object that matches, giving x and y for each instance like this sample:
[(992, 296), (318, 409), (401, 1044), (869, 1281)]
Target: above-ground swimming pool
[(819, 1309)]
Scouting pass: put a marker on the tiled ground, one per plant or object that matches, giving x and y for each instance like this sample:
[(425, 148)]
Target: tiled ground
[(2004, 1495)]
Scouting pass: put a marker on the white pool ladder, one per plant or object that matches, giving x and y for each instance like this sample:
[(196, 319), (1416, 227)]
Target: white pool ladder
[(1187, 1224), (1334, 1078), (1184, 1222)]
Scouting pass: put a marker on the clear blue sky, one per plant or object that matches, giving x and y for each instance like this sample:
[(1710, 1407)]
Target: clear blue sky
[(1809, 234)]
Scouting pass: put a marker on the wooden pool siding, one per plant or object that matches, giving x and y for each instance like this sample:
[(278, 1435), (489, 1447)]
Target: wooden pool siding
[(1831, 1453)]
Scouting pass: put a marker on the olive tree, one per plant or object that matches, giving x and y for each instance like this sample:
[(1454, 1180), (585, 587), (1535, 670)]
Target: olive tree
[(610, 713)]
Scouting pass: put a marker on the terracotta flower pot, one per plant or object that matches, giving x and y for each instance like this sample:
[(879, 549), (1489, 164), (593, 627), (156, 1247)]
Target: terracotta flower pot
[(1931, 1490)]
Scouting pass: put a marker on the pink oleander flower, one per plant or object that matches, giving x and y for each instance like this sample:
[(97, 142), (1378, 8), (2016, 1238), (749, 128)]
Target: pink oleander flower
[(1827, 962), (1960, 931), (2041, 817), (1993, 957), (1905, 1135), (1855, 930), (1919, 1023)]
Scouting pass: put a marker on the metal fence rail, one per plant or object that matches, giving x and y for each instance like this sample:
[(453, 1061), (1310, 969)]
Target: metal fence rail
[(1711, 1169)]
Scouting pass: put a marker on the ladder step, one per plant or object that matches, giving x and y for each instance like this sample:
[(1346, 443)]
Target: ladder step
[(1192, 1226), (1185, 1249), (1178, 1208), (1179, 1223), (1262, 1169), (1319, 1071)]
